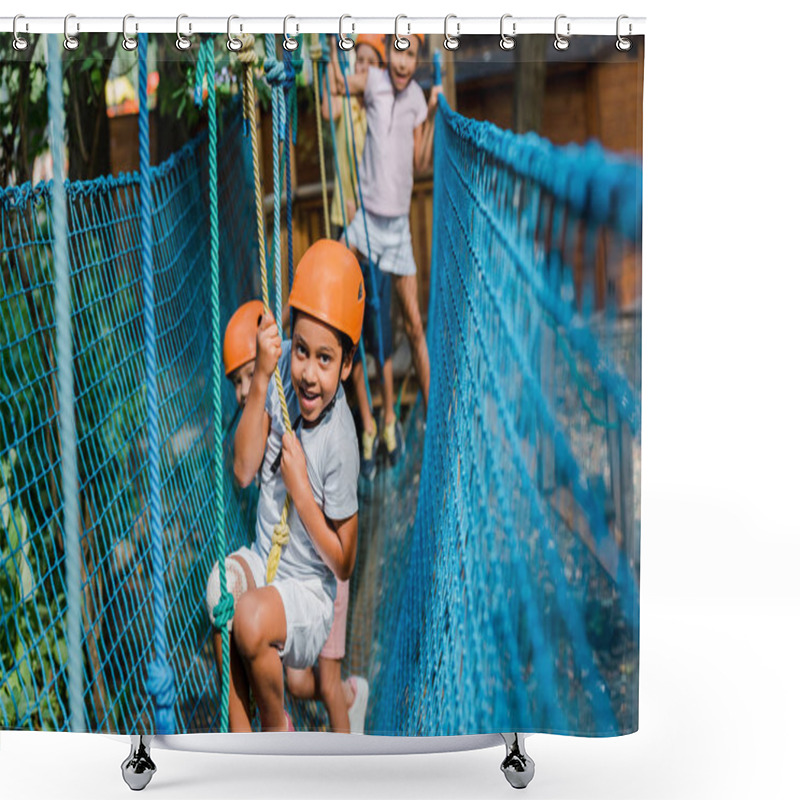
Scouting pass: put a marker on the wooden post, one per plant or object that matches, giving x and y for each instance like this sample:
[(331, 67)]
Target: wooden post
[(449, 78), (529, 83)]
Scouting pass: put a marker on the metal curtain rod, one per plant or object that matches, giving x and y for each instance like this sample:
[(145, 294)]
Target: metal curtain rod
[(461, 26)]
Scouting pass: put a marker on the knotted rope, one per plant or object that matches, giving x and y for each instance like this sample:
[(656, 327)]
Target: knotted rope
[(223, 611), (160, 678), (276, 75)]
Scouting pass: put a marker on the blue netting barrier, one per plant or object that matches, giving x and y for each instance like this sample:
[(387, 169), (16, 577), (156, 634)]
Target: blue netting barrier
[(512, 600), (105, 257), (496, 582)]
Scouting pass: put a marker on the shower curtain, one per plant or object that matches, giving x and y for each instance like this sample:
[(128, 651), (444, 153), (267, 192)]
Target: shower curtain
[(492, 199)]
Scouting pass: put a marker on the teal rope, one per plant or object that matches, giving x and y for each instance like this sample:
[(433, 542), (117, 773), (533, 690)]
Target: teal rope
[(323, 79), (276, 75), (347, 110), (160, 678), (66, 392), (223, 611)]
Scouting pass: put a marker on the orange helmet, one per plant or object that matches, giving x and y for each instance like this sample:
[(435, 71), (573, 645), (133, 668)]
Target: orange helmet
[(239, 344), (377, 41), (328, 285)]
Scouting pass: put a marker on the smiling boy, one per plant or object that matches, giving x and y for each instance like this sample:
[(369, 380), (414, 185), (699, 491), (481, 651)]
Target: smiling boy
[(287, 622)]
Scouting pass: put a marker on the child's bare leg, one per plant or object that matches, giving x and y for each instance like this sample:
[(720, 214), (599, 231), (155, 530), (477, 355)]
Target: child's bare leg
[(332, 692), (406, 288), (259, 629), (387, 390), (301, 683), (239, 693), (359, 376)]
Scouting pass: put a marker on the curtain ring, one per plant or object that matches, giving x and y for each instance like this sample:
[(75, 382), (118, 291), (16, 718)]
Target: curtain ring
[(19, 43), (561, 42), (507, 42), (289, 42), (234, 42), (623, 44), (451, 42), (128, 43), (345, 42), (182, 43), (401, 42), (70, 42)]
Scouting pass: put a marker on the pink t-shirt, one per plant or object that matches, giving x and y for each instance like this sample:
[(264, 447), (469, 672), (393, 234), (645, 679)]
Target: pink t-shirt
[(387, 165)]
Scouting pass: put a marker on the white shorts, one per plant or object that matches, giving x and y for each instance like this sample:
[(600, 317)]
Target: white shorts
[(309, 619), (308, 608), (389, 241)]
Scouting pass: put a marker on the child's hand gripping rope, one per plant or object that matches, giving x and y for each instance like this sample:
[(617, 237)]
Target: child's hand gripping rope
[(268, 345)]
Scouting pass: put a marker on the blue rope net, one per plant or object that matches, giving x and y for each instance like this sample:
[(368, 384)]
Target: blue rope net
[(109, 372), (512, 600), (496, 581)]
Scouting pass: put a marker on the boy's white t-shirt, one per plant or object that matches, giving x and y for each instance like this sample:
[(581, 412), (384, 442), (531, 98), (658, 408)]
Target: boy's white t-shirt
[(387, 165), (332, 461)]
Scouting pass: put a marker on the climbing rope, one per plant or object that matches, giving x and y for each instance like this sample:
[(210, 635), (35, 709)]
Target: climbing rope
[(353, 157), (66, 393), (316, 60), (276, 76), (223, 611), (160, 677), (247, 56)]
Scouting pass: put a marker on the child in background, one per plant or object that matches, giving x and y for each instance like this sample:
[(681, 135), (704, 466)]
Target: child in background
[(369, 51), (399, 144), (290, 619)]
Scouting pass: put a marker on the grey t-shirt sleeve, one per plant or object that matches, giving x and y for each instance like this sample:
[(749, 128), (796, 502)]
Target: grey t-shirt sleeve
[(340, 483), (273, 402)]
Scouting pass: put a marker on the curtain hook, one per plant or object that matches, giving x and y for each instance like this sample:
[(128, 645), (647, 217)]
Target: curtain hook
[(623, 43), (289, 42), (182, 43), (401, 42), (507, 42), (234, 42), (561, 42), (128, 43), (19, 43), (451, 42), (70, 42), (345, 42)]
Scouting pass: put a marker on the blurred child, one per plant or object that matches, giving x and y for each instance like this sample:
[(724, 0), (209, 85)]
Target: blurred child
[(370, 52), (399, 143), (289, 620)]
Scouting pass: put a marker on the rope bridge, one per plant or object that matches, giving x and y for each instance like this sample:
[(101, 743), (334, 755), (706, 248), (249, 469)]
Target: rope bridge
[(512, 600), (108, 334), (496, 578)]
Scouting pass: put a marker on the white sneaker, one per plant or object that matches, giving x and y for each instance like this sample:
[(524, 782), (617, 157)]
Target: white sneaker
[(357, 713)]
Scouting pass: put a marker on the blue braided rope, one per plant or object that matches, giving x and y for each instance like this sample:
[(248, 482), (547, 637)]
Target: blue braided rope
[(66, 393), (348, 111), (275, 73), (291, 92), (371, 302), (160, 678), (224, 610)]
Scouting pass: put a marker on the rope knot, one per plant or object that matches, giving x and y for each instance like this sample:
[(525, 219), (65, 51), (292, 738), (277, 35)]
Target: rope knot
[(223, 611), (247, 52), (280, 537), (280, 534), (161, 684), (274, 72)]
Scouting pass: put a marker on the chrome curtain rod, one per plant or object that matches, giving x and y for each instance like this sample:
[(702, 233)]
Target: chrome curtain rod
[(348, 25)]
